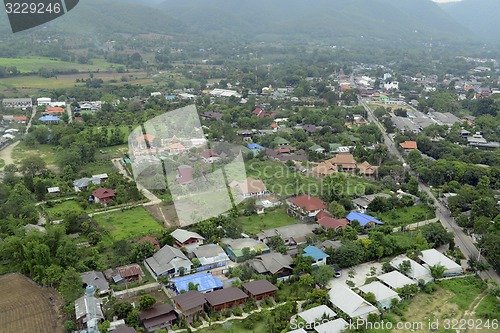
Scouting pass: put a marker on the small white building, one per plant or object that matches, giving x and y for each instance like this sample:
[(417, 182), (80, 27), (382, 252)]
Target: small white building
[(317, 313), (384, 295), (43, 101), (334, 326), (350, 303), (395, 280), (417, 272), (433, 257)]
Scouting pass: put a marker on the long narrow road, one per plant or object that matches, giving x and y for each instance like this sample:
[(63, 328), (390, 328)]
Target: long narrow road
[(462, 241)]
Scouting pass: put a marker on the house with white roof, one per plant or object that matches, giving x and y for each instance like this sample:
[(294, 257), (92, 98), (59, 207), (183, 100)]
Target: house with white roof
[(350, 303), (168, 261), (417, 272), (383, 294), (334, 326), (184, 238), (395, 280), (433, 257), (317, 313)]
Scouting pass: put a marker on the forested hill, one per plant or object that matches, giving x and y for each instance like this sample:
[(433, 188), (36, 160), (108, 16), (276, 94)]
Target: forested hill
[(109, 16), (388, 20), (375, 22), (480, 16)]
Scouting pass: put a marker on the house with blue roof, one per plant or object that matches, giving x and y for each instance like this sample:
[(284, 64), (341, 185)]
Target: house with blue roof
[(318, 256), (204, 282), (366, 221), (255, 148)]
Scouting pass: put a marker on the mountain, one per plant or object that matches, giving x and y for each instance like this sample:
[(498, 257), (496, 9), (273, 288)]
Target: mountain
[(102, 16), (479, 16), (384, 20)]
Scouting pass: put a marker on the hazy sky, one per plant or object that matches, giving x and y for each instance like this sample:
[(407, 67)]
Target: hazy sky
[(446, 0)]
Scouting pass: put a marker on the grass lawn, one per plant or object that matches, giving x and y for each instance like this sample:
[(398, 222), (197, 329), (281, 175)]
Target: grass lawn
[(237, 326), (489, 308), (406, 215), (448, 302), (128, 224), (255, 223), (57, 211), (33, 64), (46, 152), (283, 181)]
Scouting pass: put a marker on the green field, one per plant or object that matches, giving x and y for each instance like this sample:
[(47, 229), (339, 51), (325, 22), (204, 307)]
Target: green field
[(406, 215), (45, 152), (465, 289), (283, 181), (33, 64), (255, 223), (128, 224), (57, 211)]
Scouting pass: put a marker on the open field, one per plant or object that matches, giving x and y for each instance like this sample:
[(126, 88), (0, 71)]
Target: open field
[(33, 64), (450, 301), (57, 211), (34, 82), (128, 224), (283, 181), (255, 223), (46, 152), (406, 215), (25, 307)]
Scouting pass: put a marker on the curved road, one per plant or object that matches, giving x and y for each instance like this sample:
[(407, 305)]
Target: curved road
[(462, 241)]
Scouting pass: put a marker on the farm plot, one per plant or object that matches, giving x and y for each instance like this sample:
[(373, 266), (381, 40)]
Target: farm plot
[(25, 307)]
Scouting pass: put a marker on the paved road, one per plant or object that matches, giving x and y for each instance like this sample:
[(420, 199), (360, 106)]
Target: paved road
[(462, 241), (70, 114)]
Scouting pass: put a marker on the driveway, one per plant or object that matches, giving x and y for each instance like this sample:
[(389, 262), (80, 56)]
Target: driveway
[(363, 272)]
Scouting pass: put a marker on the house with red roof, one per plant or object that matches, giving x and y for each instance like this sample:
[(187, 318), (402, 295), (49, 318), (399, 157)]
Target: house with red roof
[(408, 145), (54, 110), (152, 240), (328, 222), (210, 156), (305, 207), (184, 175), (103, 195)]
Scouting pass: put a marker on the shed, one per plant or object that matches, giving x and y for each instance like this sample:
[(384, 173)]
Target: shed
[(260, 289)]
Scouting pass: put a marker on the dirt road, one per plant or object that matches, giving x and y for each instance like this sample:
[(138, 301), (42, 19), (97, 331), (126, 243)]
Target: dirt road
[(6, 153)]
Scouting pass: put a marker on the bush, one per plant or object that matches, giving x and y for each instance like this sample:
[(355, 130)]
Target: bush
[(430, 287), (237, 311)]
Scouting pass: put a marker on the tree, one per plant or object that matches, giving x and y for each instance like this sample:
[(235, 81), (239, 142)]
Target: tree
[(412, 186), (141, 251), (405, 267), (122, 309), (146, 302), (69, 326), (437, 271), (71, 286), (349, 254), (435, 233), (370, 298), (278, 244), (133, 318), (250, 207), (323, 274), (33, 165), (337, 209)]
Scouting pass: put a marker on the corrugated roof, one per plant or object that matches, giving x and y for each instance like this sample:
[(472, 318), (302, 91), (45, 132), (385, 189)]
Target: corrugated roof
[(159, 309), (315, 253), (223, 296), (182, 235), (258, 287), (363, 219), (189, 300), (204, 281), (317, 313)]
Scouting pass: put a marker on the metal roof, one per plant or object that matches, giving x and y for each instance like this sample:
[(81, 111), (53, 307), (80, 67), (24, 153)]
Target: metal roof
[(204, 281)]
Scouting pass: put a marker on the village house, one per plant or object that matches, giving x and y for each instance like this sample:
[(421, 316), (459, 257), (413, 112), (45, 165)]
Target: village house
[(125, 274), (102, 176), (396, 280), (210, 156), (210, 256), (384, 295), (234, 247), (260, 289), (362, 202), (189, 304), (408, 145), (103, 195), (185, 238), (150, 239), (96, 279), (292, 235), (317, 314), (204, 283), (334, 326), (433, 257), (159, 316), (275, 264), (249, 188), (305, 207), (17, 103), (344, 162), (329, 222), (82, 184), (319, 257), (366, 221), (350, 303), (169, 261), (225, 298), (212, 115), (184, 175), (88, 310), (416, 272), (122, 329)]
